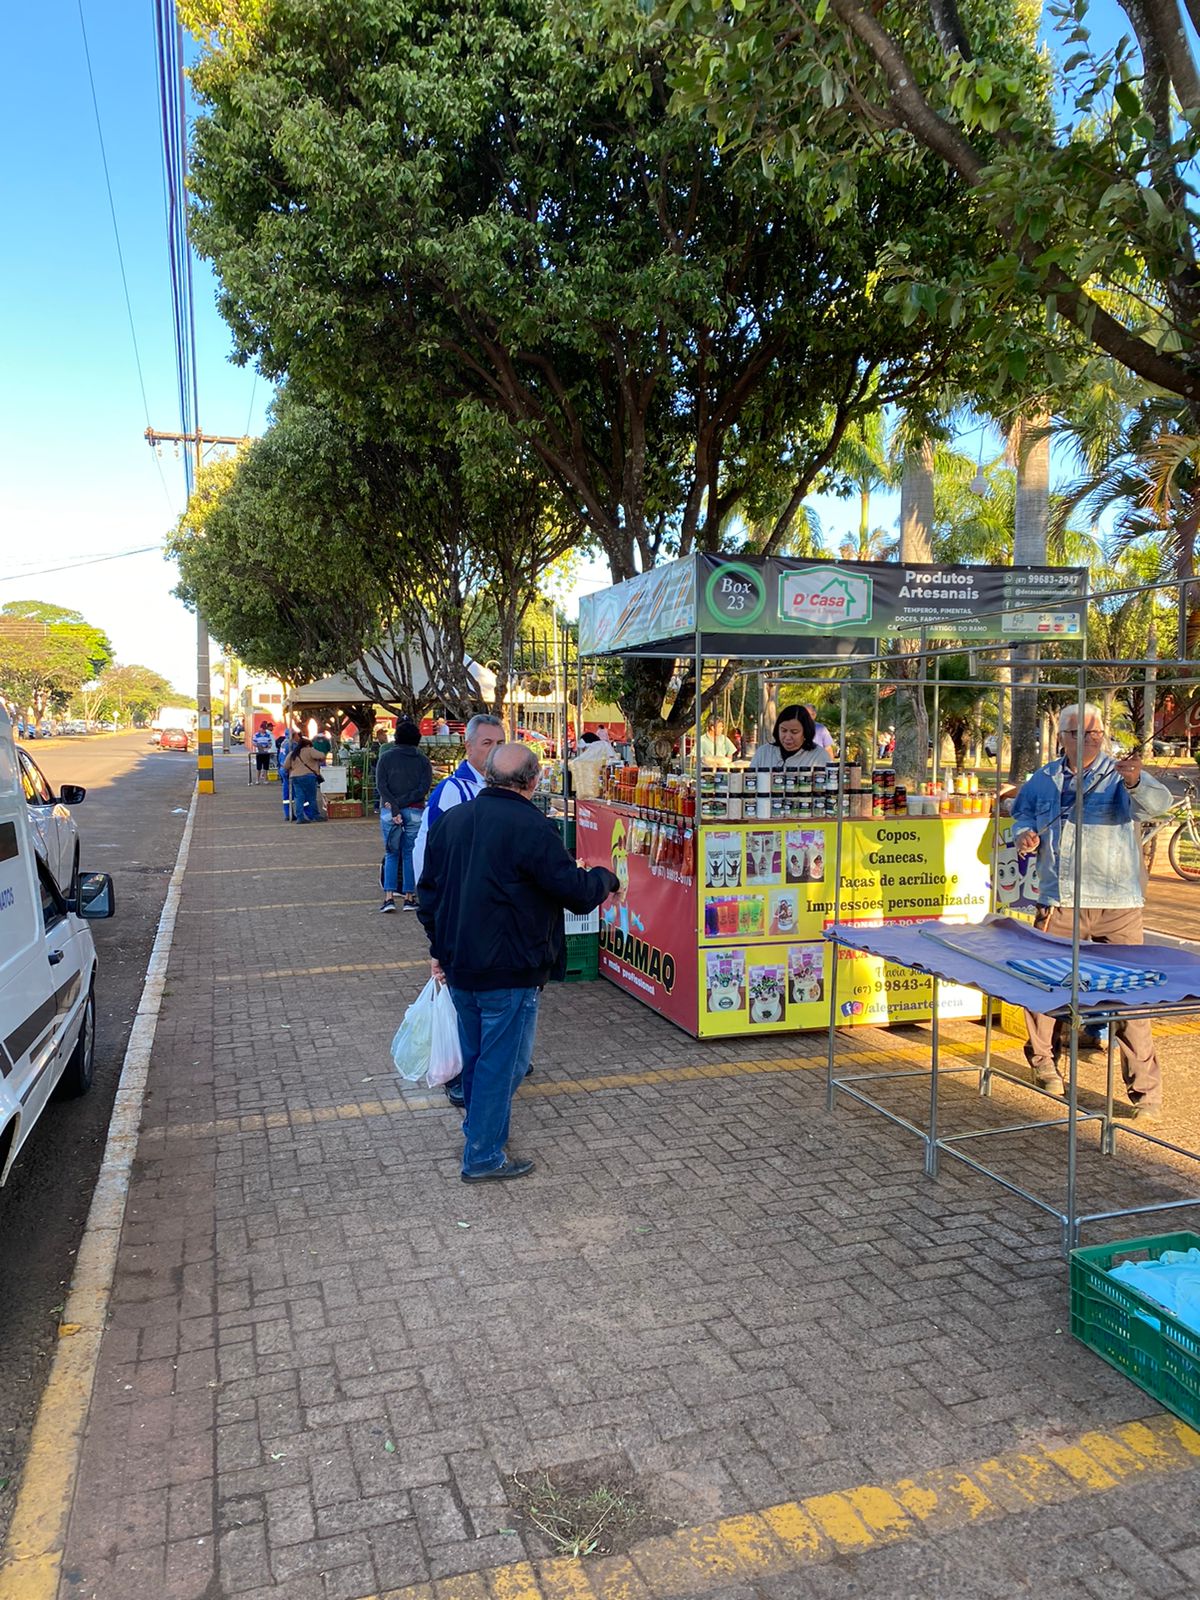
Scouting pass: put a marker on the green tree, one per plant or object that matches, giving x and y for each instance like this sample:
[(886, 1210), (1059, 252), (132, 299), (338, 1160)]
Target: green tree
[(459, 197), (1091, 213), (124, 693), (328, 552), (46, 654)]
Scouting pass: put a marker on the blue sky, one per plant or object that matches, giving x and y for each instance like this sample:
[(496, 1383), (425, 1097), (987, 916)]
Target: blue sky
[(76, 478)]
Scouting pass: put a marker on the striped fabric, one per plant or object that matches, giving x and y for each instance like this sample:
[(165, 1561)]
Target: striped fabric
[(1104, 976)]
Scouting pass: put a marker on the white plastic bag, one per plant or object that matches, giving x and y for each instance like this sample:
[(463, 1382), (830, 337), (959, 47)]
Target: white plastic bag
[(445, 1051), (411, 1044)]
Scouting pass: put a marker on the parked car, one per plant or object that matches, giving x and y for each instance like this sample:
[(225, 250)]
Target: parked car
[(54, 827), (47, 966), (172, 739)]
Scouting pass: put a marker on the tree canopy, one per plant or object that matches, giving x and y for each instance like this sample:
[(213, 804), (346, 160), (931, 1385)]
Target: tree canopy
[(326, 551), (1077, 163), (467, 199), (46, 653)]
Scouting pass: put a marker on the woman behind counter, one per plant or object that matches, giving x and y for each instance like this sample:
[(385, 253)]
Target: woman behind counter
[(793, 744)]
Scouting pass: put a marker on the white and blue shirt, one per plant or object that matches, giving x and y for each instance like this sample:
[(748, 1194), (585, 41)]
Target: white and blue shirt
[(463, 784)]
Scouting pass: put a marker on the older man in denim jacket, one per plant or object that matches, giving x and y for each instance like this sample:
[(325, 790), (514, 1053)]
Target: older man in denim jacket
[(1117, 798)]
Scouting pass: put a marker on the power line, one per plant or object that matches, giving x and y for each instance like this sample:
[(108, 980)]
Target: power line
[(112, 211), (84, 561)]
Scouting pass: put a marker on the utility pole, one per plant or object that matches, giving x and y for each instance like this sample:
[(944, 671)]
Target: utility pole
[(204, 739)]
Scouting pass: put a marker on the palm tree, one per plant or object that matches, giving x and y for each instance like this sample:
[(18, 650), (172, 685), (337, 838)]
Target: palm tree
[(864, 465), (1139, 452)]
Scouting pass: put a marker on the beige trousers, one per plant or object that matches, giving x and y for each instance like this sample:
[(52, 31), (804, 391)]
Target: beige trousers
[(1048, 1035)]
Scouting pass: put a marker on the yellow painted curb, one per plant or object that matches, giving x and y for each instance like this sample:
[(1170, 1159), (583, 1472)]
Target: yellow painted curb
[(736, 1551), (33, 1552)]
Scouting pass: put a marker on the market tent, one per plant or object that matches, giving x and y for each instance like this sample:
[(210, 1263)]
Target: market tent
[(340, 689)]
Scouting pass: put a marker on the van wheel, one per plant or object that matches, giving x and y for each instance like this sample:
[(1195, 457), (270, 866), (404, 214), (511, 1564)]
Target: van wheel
[(79, 1070)]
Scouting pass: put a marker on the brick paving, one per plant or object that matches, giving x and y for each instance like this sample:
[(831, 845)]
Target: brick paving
[(325, 1354)]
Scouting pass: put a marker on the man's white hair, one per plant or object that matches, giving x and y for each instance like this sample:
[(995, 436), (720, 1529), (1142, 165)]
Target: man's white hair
[(1069, 715)]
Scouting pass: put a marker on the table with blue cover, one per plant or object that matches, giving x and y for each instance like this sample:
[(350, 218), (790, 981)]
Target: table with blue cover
[(1162, 977)]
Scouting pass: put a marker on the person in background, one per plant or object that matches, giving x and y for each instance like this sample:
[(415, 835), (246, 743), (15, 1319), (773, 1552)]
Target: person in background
[(441, 729), (402, 777), (1117, 797), (793, 743), (821, 734), (483, 734), (264, 746), (714, 743), (283, 749), (303, 767), (495, 882)]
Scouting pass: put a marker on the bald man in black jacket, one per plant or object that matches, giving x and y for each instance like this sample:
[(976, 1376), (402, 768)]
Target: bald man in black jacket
[(494, 885)]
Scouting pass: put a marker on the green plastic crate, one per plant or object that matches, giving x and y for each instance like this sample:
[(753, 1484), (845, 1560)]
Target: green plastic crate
[(566, 831), (1133, 1333), (583, 957)]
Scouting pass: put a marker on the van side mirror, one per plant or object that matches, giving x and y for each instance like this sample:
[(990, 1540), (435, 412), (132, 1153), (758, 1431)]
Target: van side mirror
[(72, 794), (95, 898)]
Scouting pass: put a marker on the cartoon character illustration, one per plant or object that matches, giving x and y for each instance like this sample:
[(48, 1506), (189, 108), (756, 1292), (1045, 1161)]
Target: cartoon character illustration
[(622, 914), (1008, 877)]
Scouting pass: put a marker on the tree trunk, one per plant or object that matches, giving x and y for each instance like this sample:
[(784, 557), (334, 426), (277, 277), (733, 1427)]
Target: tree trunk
[(1031, 458), (1150, 692), (911, 755)]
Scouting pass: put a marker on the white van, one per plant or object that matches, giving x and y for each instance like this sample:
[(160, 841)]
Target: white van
[(47, 968)]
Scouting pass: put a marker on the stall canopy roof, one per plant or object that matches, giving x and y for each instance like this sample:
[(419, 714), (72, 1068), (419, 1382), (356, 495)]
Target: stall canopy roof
[(779, 606), (340, 689)]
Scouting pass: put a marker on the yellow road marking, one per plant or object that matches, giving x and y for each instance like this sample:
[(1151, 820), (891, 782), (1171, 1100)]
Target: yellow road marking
[(781, 1539), (355, 1110)]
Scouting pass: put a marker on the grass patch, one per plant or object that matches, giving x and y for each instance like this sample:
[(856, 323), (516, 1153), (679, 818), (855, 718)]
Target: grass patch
[(578, 1511)]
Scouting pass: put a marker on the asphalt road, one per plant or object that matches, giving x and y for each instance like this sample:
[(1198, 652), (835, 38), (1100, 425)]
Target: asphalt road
[(129, 825)]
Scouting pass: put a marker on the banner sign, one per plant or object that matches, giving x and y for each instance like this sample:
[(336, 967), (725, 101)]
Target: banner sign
[(783, 597), (753, 603), (764, 883), (648, 943)]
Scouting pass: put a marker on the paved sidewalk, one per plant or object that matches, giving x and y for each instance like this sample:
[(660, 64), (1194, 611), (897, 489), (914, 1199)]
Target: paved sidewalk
[(326, 1356)]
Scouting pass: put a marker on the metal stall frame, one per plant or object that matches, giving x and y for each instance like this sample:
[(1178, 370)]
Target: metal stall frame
[(1070, 1217)]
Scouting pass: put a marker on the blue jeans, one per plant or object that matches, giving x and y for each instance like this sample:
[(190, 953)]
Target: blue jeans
[(495, 1029), (398, 848), (304, 797)]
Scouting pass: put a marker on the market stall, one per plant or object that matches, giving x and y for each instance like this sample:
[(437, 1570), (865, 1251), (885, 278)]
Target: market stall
[(732, 875)]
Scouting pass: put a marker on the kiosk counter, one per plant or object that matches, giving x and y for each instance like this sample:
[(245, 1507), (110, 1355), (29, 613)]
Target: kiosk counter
[(722, 933)]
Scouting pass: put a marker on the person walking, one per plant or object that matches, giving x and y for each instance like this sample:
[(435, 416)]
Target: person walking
[(264, 747), (494, 884), (303, 767), (402, 777), (793, 743), (1117, 797)]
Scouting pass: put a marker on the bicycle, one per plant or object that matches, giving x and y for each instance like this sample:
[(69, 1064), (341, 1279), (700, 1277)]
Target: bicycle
[(1183, 846)]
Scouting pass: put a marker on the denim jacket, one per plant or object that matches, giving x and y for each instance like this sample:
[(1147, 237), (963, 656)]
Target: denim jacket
[(1111, 876)]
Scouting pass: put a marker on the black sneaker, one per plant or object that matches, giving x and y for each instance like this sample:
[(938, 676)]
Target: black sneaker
[(454, 1092), (510, 1169), (388, 905)]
